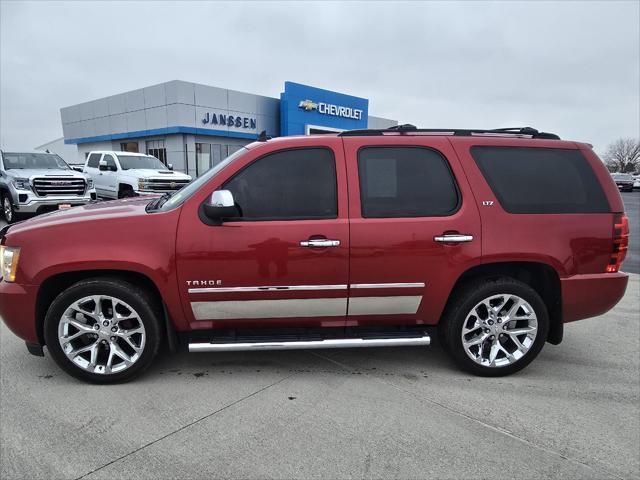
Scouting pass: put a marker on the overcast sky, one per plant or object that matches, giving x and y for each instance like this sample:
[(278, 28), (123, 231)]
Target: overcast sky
[(572, 68)]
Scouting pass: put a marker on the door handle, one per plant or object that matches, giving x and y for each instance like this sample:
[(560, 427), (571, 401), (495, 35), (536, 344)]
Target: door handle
[(319, 243), (453, 238)]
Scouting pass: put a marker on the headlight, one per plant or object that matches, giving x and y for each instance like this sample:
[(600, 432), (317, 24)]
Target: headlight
[(89, 183), (142, 184), (21, 183), (9, 262)]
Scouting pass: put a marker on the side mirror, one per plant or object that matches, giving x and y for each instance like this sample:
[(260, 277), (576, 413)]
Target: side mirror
[(221, 205), (170, 166), (102, 166)]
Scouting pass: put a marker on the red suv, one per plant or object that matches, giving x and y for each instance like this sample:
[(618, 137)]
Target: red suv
[(365, 238)]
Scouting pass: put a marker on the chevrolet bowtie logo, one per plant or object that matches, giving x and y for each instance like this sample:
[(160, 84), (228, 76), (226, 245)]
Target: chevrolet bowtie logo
[(308, 105)]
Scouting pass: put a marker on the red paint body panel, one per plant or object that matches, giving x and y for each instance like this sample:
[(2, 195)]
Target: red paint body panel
[(264, 253), (585, 296), (174, 247), (391, 250), (570, 243), (114, 235), (17, 309)]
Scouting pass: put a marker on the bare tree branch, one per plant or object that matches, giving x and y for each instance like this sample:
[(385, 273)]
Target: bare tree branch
[(623, 155)]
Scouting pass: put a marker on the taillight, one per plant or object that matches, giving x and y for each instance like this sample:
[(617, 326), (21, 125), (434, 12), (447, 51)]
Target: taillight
[(620, 242)]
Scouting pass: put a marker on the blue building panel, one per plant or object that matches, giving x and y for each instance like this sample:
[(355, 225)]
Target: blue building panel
[(303, 105)]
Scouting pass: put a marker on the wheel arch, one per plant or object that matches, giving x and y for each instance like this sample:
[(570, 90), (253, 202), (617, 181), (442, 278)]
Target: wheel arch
[(124, 185), (542, 277), (51, 287)]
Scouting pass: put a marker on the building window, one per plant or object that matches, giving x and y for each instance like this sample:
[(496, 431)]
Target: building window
[(156, 148), (203, 158), (129, 147)]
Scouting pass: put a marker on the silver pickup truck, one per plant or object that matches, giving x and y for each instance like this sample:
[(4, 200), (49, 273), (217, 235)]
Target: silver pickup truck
[(37, 182)]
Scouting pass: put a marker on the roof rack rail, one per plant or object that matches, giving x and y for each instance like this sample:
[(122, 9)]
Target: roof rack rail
[(263, 137), (408, 128)]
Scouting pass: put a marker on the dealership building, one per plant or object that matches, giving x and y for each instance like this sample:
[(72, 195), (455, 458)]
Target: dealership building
[(193, 126)]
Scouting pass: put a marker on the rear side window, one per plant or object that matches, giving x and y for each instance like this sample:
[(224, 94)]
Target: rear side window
[(541, 180), (94, 160), (405, 182), (287, 185)]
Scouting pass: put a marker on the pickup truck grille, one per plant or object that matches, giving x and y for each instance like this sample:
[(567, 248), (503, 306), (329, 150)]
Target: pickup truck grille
[(165, 185), (68, 186)]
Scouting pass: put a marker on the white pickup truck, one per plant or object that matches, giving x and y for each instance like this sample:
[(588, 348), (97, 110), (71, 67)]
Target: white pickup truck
[(126, 174)]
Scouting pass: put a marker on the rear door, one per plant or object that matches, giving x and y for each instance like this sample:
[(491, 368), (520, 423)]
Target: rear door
[(284, 261), (414, 228)]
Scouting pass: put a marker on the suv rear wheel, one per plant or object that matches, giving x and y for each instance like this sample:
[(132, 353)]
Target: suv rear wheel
[(495, 327), (102, 330)]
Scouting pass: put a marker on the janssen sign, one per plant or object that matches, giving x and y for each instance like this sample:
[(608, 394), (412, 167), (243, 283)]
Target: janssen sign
[(229, 120), (330, 109)]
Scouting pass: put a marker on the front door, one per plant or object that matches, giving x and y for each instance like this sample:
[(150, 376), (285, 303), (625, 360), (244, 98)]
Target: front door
[(415, 228), (106, 180), (284, 261)]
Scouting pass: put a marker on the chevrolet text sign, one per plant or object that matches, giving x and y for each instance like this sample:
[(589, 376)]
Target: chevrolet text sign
[(330, 109)]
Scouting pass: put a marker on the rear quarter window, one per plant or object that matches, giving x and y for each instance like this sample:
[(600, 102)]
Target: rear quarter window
[(541, 180)]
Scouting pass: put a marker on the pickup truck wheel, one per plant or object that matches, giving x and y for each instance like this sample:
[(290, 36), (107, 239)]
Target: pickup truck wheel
[(126, 193), (8, 212), (495, 327), (102, 330)]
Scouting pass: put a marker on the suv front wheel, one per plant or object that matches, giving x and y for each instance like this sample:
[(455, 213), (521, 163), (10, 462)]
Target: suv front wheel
[(102, 330), (495, 327)]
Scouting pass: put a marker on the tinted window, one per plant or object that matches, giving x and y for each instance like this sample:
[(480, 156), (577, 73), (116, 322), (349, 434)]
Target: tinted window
[(111, 163), (94, 160), (541, 180), (405, 182), (293, 184)]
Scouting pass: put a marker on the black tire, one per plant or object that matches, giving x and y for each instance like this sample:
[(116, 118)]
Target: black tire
[(126, 193), (13, 216), (135, 297), (461, 305)]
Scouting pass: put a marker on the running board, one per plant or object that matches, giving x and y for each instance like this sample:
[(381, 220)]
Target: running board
[(311, 344)]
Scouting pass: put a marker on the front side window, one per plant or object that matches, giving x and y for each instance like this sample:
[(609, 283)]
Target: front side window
[(405, 182), (38, 161), (293, 184), (94, 160), (128, 162), (111, 163), (541, 180)]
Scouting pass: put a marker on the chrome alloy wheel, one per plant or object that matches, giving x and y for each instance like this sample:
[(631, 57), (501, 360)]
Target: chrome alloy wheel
[(7, 209), (499, 330), (101, 334)]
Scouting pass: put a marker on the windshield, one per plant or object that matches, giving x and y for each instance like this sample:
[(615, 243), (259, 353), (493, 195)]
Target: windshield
[(180, 196), (622, 176), (127, 162), (33, 161)]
